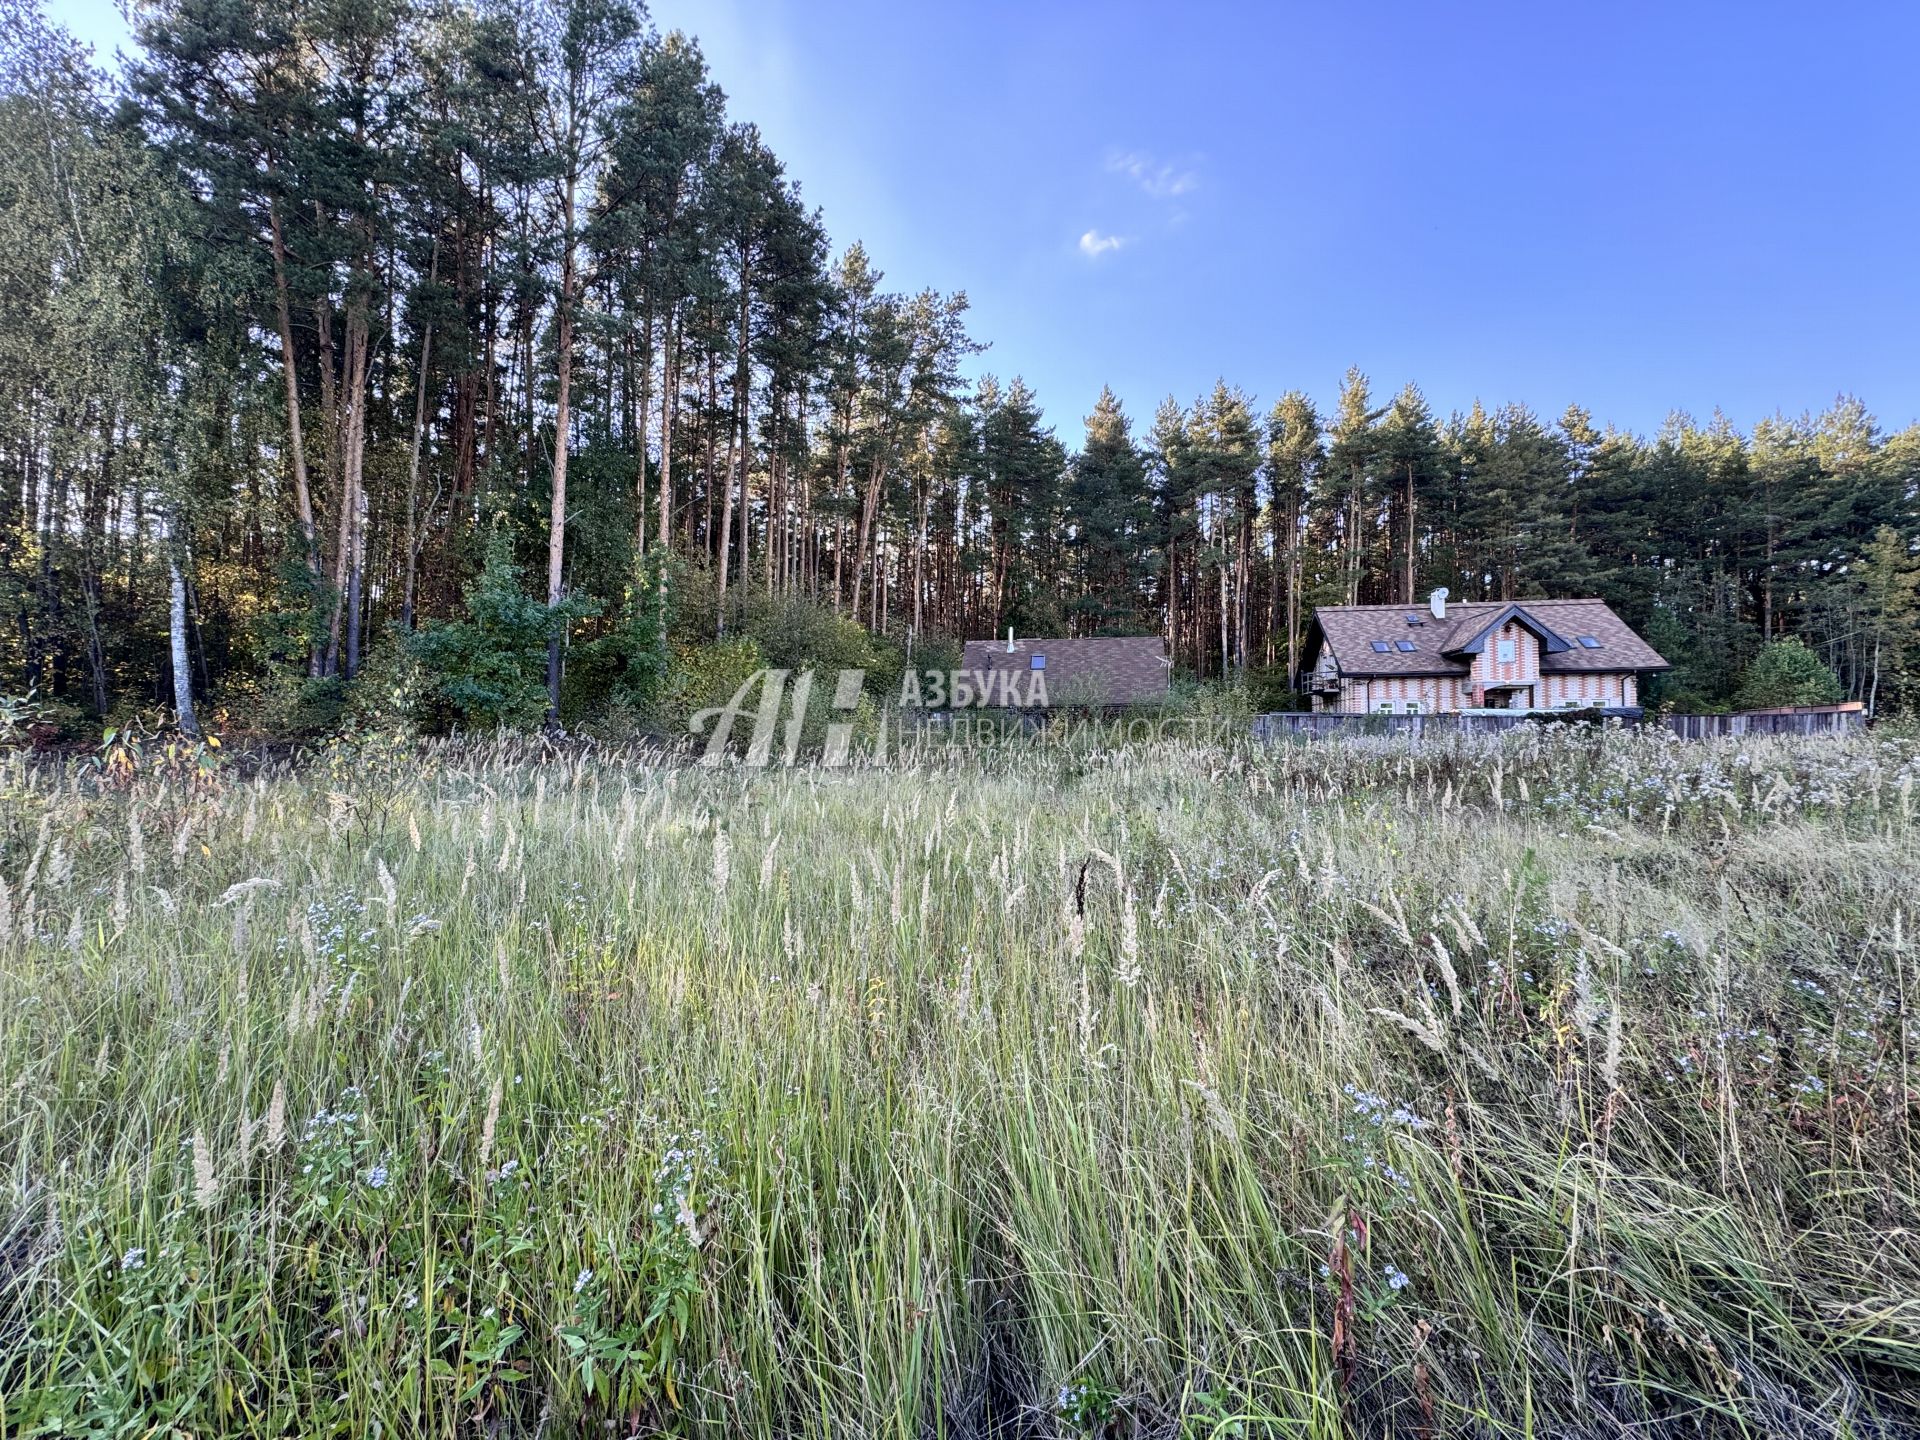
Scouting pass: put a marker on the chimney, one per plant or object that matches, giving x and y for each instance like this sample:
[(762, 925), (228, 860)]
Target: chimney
[(1437, 603)]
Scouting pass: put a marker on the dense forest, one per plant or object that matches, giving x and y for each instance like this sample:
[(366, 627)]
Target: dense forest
[(480, 342)]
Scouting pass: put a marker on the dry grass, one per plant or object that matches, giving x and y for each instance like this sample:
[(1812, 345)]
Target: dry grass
[(1548, 1084)]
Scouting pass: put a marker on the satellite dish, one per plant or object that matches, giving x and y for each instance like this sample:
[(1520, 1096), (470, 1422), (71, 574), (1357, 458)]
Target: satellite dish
[(1437, 603)]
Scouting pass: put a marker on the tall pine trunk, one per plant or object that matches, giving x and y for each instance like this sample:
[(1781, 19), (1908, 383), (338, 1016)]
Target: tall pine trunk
[(668, 385), (557, 514), (743, 398), (296, 440), (413, 459)]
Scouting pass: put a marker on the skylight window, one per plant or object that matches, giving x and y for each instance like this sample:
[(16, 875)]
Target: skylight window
[(1038, 662), (1405, 647), (1591, 642), (1413, 619), (1380, 647)]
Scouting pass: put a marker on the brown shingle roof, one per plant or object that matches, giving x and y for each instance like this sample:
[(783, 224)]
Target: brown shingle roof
[(1441, 645), (1109, 670)]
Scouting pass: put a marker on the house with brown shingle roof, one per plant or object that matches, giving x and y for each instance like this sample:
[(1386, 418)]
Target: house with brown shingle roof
[(1489, 654), (1096, 672)]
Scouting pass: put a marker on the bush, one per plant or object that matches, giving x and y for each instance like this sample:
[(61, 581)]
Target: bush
[(27, 721), (1267, 690), (285, 701), (489, 669), (1786, 672), (386, 695), (614, 681), (703, 676), (1209, 700), (795, 633)]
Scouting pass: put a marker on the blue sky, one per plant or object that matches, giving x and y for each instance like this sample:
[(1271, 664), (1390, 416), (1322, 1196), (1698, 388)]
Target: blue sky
[(1639, 207)]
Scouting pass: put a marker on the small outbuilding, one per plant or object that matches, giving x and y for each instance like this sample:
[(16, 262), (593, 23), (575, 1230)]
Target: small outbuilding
[(1097, 672)]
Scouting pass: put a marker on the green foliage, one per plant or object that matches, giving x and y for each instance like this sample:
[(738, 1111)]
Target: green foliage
[(387, 693), (488, 669), (1268, 689), (703, 676), (19, 714), (625, 669), (1111, 516), (156, 241), (1786, 672), (284, 700), (796, 633), (1211, 700), (1087, 1407)]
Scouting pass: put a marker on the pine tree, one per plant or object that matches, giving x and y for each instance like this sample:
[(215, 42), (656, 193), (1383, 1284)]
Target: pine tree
[(1409, 458), (1295, 456), (1107, 519), (1351, 458)]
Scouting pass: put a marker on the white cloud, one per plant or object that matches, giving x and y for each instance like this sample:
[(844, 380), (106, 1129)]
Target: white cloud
[(1160, 180), (1093, 244)]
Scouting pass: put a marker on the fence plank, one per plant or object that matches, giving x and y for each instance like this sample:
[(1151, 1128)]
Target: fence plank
[(1821, 720)]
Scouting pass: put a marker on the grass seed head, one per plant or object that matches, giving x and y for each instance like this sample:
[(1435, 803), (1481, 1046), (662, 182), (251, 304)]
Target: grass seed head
[(206, 1186)]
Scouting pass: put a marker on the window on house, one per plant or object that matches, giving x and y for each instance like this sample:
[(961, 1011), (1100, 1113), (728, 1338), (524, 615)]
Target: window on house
[(1591, 642), (1506, 652), (1413, 707), (1038, 662), (1383, 707), (1405, 647), (1380, 647)]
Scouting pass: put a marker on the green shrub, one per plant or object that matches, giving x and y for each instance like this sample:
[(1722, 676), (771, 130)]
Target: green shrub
[(284, 700), (489, 669), (794, 633), (1267, 690), (617, 677), (21, 717), (700, 677), (386, 694), (1786, 672)]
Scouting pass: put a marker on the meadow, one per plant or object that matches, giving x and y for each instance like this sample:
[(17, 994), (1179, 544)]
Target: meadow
[(1559, 1083)]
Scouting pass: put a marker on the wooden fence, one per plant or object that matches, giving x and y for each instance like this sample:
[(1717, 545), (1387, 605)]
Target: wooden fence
[(1800, 720), (1808, 720)]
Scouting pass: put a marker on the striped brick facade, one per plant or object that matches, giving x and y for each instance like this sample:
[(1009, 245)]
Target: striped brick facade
[(1467, 665)]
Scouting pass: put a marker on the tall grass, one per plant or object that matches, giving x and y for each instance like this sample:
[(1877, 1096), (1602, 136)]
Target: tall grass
[(1541, 1084)]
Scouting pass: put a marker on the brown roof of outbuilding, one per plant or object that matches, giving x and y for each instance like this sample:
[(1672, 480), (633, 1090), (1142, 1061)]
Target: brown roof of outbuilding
[(1442, 646), (1098, 671)]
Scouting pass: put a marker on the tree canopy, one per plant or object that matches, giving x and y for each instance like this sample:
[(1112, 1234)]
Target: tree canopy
[(314, 309)]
